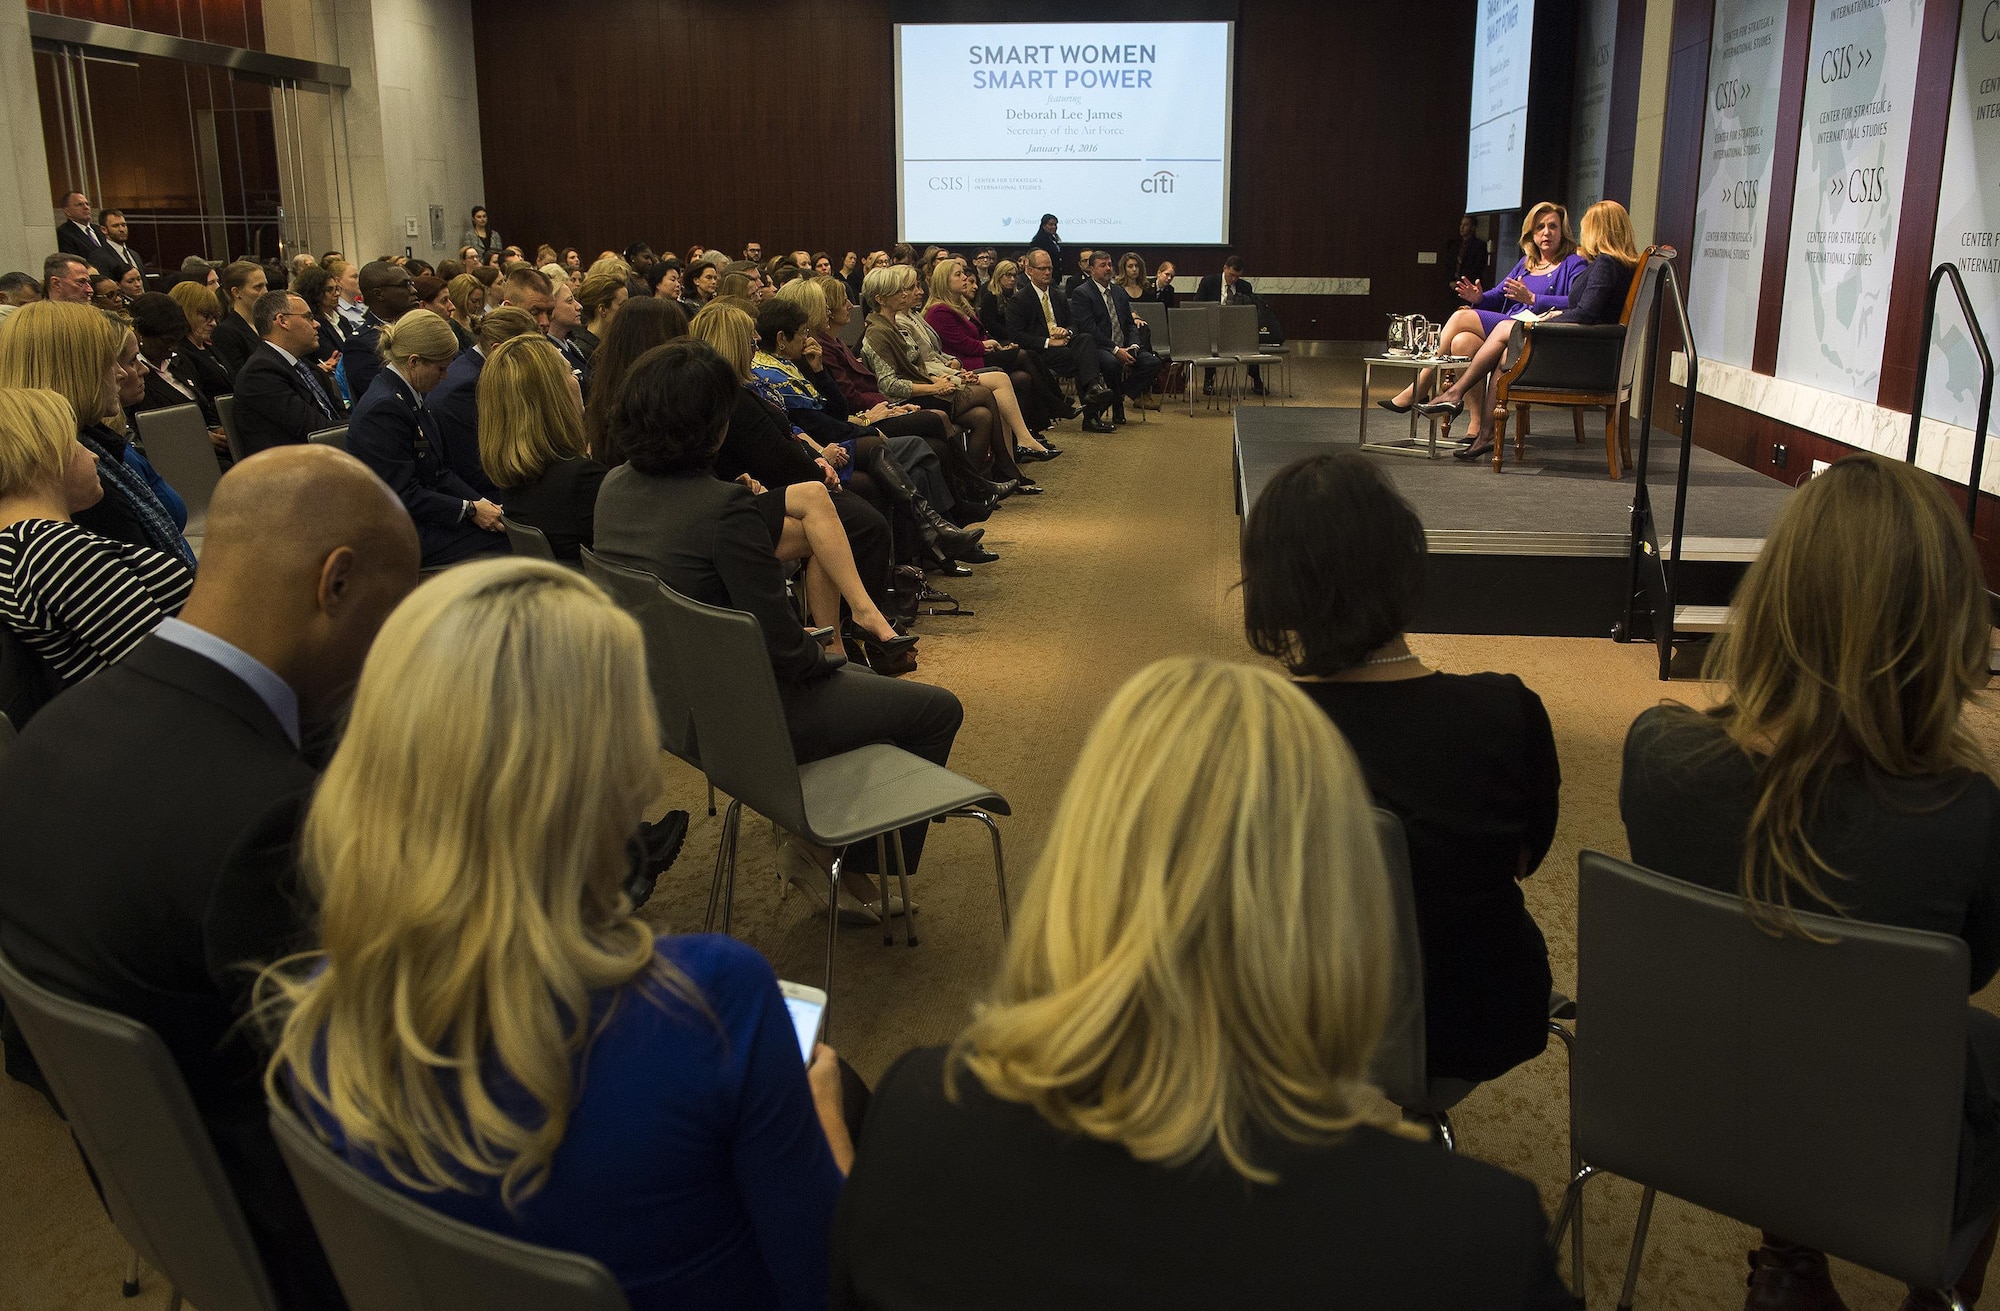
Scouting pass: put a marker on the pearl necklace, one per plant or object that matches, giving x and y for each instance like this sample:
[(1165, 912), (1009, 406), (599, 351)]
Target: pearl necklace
[(1391, 660)]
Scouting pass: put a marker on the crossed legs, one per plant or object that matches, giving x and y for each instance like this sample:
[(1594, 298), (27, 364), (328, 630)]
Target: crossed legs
[(1476, 381), (813, 533), (1461, 335)]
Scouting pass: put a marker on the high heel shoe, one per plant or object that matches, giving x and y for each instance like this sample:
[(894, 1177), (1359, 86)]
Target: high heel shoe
[(939, 534), (1393, 408), (1029, 455), (1449, 409)]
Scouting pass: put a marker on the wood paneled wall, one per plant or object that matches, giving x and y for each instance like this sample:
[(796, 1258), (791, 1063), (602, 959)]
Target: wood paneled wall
[(718, 121)]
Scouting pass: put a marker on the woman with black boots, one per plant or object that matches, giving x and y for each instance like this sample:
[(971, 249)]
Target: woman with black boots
[(901, 476)]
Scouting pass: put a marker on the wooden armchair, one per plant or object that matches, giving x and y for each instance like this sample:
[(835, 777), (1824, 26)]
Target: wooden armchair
[(1581, 366)]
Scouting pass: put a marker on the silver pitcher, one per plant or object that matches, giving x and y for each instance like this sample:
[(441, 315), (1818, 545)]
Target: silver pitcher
[(1409, 332)]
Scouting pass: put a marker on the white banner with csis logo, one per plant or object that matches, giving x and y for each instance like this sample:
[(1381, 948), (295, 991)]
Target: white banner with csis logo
[(1745, 63), (1590, 119), (1968, 226), (1854, 140)]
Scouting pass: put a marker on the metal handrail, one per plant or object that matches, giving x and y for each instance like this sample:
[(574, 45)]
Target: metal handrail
[(1938, 274), (1642, 509)]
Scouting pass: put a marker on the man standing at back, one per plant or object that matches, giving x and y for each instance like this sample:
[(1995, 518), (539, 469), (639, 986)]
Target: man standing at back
[(153, 912), (77, 235), (387, 292)]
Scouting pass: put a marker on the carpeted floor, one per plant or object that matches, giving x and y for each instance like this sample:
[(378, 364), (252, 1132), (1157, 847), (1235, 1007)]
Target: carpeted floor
[(1130, 557)]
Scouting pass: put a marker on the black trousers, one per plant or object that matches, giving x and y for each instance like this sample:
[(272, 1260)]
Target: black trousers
[(854, 707), (868, 538), (1078, 358)]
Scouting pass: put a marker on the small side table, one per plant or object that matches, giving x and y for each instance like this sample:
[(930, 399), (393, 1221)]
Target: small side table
[(1411, 445)]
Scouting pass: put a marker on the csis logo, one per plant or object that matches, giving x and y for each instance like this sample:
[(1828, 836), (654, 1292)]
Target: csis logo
[(1730, 94), (1159, 184), (947, 184)]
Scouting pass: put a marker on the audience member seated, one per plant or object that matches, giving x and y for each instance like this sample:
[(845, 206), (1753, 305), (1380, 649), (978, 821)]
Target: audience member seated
[(991, 303), (66, 278), (531, 442), (162, 328), (388, 293), (1838, 774), (455, 403), (901, 479), (394, 433), (1538, 284), (1156, 287), (77, 600), (641, 325), (197, 732), (759, 443), (665, 511), (600, 296), (565, 321), (1596, 295), (849, 391), (321, 293), (1165, 1099), (1333, 570), (236, 336), (195, 361), (468, 306), (1038, 320), (1230, 287), (639, 1100), (962, 334), (900, 376), (91, 361), (1100, 307), (280, 398), (937, 362), (526, 289)]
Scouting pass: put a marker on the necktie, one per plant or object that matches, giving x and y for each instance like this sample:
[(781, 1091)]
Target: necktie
[(90, 232), (1117, 329), (313, 388), (1048, 312)]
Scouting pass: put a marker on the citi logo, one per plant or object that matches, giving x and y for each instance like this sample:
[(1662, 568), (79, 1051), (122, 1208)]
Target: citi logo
[(1159, 184)]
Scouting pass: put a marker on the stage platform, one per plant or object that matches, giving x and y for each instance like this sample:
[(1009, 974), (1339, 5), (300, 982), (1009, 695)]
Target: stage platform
[(1541, 548)]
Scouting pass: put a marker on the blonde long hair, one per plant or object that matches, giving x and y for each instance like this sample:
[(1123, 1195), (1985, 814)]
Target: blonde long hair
[(1533, 218), (731, 332), (467, 848), (37, 436), (941, 288), (1206, 947), (1857, 636), (529, 416), (66, 348), (1607, 230)]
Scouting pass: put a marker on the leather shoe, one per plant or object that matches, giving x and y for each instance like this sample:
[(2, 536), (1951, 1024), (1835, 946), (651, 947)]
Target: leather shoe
[(1096, 424), (1787, 1277), (978, 555), (949, 568), (1029, 455), (1097, 396), (1030, 489)]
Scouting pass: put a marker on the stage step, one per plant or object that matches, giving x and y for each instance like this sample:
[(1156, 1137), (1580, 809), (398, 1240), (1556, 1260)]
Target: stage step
[(1700, 618), (1719, 550)]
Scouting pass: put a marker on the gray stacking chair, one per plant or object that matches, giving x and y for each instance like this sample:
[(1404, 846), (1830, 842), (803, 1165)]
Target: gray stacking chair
[(334, 437), (1812, 1089), (126, 1102), (641, 595), (1192, 332), (176, 444), (6, 734), (1399, 1068), (868, 792), (1236, 337), (528, 540), (225, 410), (394, 1254)]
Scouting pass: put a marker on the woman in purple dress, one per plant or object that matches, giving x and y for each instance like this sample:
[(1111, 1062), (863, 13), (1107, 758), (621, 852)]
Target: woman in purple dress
[(1538, 283)]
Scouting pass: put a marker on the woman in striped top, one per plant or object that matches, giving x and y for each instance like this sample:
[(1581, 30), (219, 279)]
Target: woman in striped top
[(77, 600)]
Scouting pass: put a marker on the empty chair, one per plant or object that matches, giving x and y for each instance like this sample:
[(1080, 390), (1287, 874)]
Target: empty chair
[(130, 1110), (851, 797), (1192, 332), (528, 540), (1809, 1088), (1236, 338), (335, 437), (176, 441), (225, 409), (393, 1254)]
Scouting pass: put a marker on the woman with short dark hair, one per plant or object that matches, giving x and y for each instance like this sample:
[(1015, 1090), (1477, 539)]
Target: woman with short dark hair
[(1333, 570), (665, 511)]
